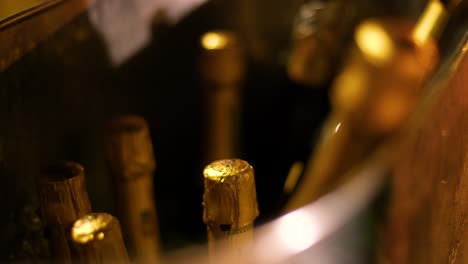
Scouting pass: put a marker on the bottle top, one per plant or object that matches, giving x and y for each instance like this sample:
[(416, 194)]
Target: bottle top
[(230, 198)]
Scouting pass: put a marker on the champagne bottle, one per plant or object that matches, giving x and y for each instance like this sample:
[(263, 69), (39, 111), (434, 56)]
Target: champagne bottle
[(372, 99), (230, 205), (131, 161), (320, 33), (97, 239), (222, 71), (63, 199)]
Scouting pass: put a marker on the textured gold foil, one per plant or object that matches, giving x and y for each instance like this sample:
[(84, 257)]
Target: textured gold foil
[(230, 199), (90, 227), (97, 238)]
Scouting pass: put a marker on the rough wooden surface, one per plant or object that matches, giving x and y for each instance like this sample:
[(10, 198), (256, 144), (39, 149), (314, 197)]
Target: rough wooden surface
[(22, 32), (428, 214), (97, 239), (230, 205), (131, 160), (63, 200)]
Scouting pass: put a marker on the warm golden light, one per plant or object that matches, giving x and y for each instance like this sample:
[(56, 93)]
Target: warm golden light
[(100, 236), (350, 89), (337, 128), (90, 227), (214, 40), (225, 168), (430, 22), (293, 176), (374, 42)]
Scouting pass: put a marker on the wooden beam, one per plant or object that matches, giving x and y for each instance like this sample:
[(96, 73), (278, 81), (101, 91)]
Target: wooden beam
[(20, 32)]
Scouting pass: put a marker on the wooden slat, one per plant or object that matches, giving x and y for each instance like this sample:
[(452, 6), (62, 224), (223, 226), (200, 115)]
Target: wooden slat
[(21, 32), (12, 11), (429, 205)]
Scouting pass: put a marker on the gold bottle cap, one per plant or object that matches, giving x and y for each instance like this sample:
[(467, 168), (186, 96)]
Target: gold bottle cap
[(97, 238), (222, 58), (91, 227), (129, 147), (230, 198), (313, 43)]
